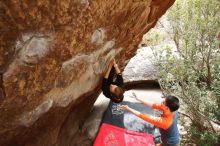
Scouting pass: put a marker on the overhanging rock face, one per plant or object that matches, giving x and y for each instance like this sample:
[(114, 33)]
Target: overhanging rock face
[(52, 57)]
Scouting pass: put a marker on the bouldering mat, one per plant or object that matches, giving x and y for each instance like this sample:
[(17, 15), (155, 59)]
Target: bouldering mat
[(110, 135)]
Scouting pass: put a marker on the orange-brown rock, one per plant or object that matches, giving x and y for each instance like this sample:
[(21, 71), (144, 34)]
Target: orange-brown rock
[(52, 57)]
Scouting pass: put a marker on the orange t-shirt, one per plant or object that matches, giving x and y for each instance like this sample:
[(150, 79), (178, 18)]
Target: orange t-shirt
[(164, 121)]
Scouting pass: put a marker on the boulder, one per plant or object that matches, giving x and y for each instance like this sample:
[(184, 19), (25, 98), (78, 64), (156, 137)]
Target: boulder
[(52, 58), (140, 70)]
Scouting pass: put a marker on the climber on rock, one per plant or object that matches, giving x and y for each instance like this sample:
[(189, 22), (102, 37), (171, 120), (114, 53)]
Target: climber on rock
[(112, 86)]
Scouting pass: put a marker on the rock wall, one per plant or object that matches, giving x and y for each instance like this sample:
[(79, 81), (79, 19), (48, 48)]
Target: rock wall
[(52, 57)]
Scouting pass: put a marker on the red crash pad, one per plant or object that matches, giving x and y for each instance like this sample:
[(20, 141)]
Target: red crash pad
[(114, 136)]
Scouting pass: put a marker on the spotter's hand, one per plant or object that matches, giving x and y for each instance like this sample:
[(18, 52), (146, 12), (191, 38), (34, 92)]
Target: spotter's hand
[(124, 107)]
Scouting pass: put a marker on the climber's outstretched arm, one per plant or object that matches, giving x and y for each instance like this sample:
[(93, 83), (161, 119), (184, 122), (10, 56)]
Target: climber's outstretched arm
[(118, 71), (109, 69)]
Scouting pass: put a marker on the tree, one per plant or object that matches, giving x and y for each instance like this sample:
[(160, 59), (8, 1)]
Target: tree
[(194, 75)]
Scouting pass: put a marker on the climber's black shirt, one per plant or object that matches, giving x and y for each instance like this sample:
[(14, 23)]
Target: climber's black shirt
[(107, 82)]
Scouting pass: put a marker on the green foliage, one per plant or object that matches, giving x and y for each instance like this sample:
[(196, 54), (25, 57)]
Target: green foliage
[(216, 90), (203, 139), (194, 73), (154, 37)]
